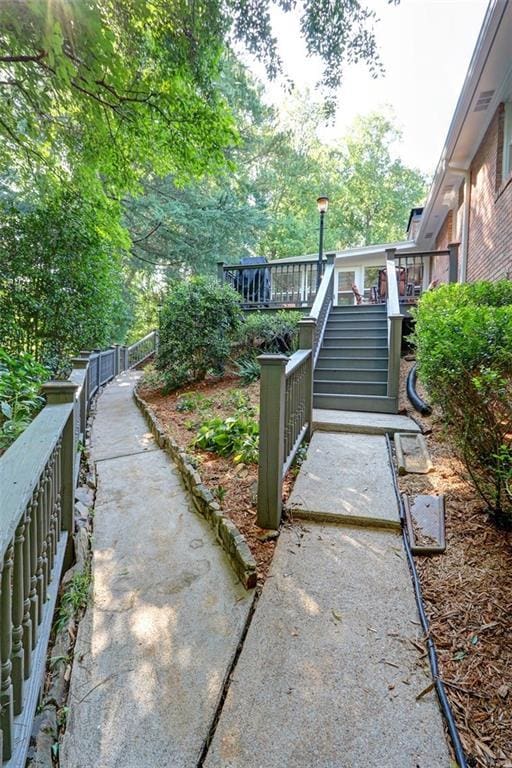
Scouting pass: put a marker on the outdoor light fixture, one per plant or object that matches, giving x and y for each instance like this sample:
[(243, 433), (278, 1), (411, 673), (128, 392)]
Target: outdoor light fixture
[(322, 203)]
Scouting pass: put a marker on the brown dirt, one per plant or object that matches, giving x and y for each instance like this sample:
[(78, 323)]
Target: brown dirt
[(468, 596), (233, 485)]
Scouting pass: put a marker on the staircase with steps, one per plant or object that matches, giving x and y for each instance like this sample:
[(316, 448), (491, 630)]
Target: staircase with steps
[(351, 372)]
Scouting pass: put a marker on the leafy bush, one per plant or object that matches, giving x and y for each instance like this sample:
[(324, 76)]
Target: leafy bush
[(463, 338), (235, 436), (20, 381), (269, 332), (198, 321)]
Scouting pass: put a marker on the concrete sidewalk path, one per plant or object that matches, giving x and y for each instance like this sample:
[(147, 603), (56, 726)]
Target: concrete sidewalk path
[(166, 613), (332, 673)]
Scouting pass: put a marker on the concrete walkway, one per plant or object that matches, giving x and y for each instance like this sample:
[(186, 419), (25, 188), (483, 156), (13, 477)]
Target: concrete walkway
[(332, 673), (166, 614)]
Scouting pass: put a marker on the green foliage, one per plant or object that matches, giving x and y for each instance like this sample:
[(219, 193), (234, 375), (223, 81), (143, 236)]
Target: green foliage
[(21, 377), (248, 368), (198, 321), (117, 88), (463, 338), (74, 599), (60, 281), (269, 332), (193, 401), (235, 436), (127, 87)]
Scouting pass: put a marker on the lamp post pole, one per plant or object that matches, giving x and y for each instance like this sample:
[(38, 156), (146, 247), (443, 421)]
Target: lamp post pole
[(322, 204)]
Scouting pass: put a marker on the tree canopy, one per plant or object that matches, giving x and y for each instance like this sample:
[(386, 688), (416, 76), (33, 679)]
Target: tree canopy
[(130, 88)]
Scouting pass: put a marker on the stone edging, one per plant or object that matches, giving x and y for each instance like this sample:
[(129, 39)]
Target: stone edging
[(226, 532)]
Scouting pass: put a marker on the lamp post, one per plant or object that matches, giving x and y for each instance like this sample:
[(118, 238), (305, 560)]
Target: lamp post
[(323, 204)]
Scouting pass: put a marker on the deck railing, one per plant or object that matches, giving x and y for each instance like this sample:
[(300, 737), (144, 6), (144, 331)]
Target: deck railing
[(286, 404), (415, 273), (273, 285), (38, 475)]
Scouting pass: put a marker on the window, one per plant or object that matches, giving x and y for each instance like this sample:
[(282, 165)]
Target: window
[(507, 142)]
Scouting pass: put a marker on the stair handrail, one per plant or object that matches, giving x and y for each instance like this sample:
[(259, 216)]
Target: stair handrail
[(395, 319), (321, 306)]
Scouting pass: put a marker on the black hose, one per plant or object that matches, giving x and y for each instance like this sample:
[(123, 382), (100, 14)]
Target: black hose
[(432, 655), (416, 401)]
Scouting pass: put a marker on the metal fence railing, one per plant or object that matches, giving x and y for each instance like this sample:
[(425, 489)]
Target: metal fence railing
[(274, 285), (38, 476)]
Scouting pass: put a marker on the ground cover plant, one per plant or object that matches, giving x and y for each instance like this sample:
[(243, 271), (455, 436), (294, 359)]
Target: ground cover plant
[(463, 339)]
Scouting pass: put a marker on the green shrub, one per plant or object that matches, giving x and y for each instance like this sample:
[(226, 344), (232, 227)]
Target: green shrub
[(235, 436), (269, 332), (21, 377), (198, 322), (463, 340)]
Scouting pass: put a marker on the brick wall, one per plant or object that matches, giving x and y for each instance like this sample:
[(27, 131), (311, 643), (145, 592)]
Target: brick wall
[(490, 222)]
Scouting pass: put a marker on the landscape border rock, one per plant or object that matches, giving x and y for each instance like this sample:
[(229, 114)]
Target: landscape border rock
[(226, 532)]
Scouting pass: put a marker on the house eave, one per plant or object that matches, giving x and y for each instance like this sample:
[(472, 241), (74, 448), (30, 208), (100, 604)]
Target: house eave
[(489, 70)]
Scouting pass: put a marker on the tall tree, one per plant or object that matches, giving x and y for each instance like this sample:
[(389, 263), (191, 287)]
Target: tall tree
[(372, 190)]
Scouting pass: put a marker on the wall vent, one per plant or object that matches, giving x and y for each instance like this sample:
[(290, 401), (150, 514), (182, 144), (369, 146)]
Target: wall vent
[(483, 101), (428, 235)]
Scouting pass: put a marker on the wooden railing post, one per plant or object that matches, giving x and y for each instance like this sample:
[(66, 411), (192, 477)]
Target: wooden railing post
[(271, 447), (124, 358), (58, 392), (395, 344), (330, 257), (117, 359), (453, 262), (81, 363), (220, 271), (307, 328)]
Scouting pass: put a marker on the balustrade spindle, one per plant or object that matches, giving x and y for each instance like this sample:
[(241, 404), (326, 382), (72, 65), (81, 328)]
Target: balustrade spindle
[(6, 692), (41, 594), (27, 622), (44, 535), (34, 561), (17, 653)]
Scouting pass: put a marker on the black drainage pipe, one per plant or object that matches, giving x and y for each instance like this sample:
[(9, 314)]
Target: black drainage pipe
[(432, 655), (416, 401)]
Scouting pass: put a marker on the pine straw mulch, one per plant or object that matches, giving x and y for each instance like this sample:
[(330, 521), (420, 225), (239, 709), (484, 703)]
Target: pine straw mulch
[(237, 483), (468, 597)]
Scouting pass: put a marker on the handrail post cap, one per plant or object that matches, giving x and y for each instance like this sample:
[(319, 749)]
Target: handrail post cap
[(272, 359), (307, 321), (79, 362), (59, 391)]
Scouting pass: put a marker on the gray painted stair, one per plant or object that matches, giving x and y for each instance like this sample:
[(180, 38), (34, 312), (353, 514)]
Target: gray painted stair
[(352, 367)]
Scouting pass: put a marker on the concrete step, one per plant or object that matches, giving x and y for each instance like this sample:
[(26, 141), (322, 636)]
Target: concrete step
[(350, 387), (348, 348), (328, 359), (358, 421), (351, 374), (369, 403), (356, 333)]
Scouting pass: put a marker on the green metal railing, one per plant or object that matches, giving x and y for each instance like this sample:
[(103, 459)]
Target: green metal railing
[(38, 475), (286, 404)]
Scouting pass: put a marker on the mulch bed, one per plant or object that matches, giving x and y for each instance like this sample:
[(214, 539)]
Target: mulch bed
[(233, 485), (468, 597)]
